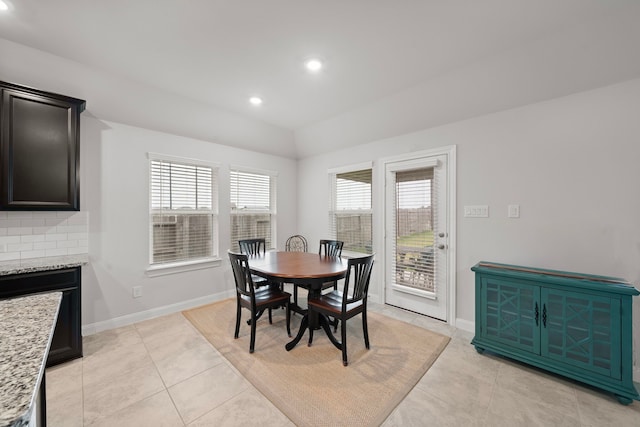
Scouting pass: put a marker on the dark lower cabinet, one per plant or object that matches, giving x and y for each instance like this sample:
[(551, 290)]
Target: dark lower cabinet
[(67, 338)]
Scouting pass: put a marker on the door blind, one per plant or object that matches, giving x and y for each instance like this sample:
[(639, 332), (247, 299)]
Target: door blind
[(183, 211), (414, 219), (252, 207)]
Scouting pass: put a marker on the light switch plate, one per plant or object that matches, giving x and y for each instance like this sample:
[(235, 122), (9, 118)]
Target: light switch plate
[(477, 211)]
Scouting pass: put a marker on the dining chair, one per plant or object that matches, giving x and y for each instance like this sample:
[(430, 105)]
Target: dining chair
[(345, 304), (252, 246), (296, 243), (255, 300), (330, 248), (255, 247)]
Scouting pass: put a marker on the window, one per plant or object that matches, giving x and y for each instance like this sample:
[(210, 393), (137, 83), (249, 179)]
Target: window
[(183, 210), (253, 207), (350, 213), (414, 219)]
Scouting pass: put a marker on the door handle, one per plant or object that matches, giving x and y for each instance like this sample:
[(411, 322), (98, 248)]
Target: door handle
[(544, 315), (537, 312)]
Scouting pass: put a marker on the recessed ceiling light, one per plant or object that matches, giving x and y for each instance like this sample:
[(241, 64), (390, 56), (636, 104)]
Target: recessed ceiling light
[(255, 100), (314, 65), (3, 6)]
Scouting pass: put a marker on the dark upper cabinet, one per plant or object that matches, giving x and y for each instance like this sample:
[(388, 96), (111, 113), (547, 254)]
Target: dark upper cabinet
[(39, 144)]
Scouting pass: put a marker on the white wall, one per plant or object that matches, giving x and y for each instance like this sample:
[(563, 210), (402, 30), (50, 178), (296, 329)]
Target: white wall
[(570, 163), (114, 182), (115, 191)]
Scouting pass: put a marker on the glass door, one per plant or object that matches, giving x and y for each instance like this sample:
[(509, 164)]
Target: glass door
[(417, 239)]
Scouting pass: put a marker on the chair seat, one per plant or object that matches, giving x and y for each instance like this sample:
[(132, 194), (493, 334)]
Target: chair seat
[(328, 285), (332, 303), (259, 281), (267, 296)]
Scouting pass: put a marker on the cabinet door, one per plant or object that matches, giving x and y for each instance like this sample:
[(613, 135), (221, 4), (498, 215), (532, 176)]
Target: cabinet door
[(510, 313), (39, 152), (582, 331), (66, 343)]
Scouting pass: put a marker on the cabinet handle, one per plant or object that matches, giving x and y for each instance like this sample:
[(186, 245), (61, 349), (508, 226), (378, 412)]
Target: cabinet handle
[(537, 313), (544, 315)]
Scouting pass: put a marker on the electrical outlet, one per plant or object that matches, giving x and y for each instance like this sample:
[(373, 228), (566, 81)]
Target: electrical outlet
[(137, 291), (514, 211)]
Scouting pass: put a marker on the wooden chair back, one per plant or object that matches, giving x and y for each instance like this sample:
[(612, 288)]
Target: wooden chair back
[(356, 282), (242, 274), (331, 247), (252, 246)]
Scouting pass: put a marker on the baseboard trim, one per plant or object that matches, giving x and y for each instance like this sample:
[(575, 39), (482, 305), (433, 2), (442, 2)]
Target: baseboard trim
[(465, 325), (129, 319)]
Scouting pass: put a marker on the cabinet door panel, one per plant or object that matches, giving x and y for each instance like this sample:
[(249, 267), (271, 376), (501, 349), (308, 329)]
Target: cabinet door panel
[(510, 316), (582, 330), (66, 343), (39, 150)]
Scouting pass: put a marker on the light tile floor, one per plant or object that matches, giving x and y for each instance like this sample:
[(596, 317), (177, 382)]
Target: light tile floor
[(162, 372)]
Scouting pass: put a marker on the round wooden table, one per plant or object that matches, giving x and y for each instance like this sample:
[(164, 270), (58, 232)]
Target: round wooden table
[(304, 269)]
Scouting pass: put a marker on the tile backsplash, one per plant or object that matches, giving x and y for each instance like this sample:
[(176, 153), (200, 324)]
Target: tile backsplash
[(26, 235)]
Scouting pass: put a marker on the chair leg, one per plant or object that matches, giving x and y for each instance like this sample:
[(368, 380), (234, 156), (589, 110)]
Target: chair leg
[(270, 320), (365, 329), (238, 308), (288, 307), (252, 343), (343, 332)]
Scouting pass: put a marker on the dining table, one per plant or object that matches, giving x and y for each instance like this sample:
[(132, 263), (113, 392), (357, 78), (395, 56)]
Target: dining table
[(304, 269)]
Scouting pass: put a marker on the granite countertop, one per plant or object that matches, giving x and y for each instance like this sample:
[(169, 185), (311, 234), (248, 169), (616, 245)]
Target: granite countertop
[(42, 264), (27, 325)]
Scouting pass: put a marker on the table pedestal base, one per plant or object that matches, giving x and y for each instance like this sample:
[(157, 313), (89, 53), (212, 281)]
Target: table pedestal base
[(304, 325)]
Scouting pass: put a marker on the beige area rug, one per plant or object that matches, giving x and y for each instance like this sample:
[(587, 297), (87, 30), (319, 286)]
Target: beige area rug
[(309, 384)]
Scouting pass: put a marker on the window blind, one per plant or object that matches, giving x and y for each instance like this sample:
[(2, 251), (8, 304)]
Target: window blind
[(350, 214), (414, 219), (183, 211), (252, 207)]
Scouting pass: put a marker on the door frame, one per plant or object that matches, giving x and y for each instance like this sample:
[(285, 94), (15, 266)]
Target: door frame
[(450, 152)]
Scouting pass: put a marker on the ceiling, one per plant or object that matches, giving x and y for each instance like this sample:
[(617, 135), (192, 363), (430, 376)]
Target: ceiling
[(220, 52)]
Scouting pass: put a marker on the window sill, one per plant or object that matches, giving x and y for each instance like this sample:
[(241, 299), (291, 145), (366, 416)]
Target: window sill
[(180, 267), (353, 254)]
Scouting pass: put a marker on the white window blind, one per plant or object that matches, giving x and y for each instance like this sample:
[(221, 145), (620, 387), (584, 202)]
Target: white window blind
[(350, 214), (252, 207), (183, 210), (414, 227)]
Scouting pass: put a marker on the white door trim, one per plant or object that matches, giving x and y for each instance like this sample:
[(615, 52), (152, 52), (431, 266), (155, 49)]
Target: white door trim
[(450, 152)]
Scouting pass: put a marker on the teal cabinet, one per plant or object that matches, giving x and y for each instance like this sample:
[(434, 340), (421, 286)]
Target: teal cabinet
[(576, 325)]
